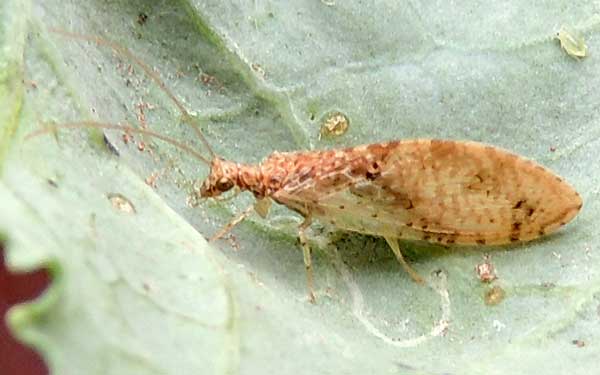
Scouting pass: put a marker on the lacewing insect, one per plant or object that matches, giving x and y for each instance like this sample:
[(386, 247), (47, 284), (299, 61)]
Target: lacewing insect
[(441, 191)]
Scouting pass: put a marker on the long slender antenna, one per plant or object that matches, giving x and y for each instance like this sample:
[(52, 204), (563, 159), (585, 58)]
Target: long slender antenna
[(98, 125), (117, 48)]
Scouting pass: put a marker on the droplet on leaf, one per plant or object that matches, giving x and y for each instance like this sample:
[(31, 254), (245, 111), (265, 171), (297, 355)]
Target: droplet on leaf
[(572, 41), (494, 296), (121, 203), (335, 124)]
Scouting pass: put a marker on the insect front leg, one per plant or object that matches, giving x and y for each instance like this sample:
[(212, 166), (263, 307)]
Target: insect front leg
[(261, 206), (227, 228), (307, 259), (393, 242)]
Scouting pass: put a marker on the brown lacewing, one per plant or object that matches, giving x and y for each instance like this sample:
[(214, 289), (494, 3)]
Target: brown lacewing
[(441, 191)]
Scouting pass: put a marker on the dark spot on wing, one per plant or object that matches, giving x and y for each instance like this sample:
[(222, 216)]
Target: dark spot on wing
[(306, 175), (519, 204), (373, 171), (372, 175)]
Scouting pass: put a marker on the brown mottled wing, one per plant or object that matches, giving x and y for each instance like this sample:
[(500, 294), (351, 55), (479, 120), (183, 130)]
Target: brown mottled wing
[(440, 191)]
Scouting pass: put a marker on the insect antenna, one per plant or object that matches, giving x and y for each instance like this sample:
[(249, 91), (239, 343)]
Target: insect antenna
[(48, 128), (123, 51)]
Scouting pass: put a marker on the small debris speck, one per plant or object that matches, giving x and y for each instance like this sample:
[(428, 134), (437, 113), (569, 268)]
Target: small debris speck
[(259, 69), (486, 271), (142, 18)]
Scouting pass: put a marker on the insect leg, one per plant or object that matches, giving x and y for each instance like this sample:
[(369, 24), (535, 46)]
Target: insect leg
[(307, 260), (393, 242), (232, 224), (262, 207)]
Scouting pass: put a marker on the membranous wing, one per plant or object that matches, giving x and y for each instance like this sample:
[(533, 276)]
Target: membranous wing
[(439, 191)]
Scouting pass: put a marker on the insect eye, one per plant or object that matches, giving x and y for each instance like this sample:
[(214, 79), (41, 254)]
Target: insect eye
[(224, 184)]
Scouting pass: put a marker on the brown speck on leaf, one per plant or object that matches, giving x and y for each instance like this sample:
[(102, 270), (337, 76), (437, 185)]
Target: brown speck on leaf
[(121, 203), (578, 343), (126, 137), (151, 180), (211, 81), (494, 296), (233, 242), (142, 18), (486, 272), (258, 69)]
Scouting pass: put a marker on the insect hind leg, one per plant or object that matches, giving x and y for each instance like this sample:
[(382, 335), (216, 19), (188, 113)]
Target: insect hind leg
[(307, 258), (393, 242)]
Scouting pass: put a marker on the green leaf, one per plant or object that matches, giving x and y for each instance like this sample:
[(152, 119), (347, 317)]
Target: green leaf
[(137, 289)]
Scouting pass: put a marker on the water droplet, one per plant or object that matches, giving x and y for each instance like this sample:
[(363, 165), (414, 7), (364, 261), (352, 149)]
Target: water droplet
[(121, 203)]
